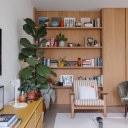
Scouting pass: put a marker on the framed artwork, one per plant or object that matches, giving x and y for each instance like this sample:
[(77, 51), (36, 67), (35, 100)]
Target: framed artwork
[(67, 80)]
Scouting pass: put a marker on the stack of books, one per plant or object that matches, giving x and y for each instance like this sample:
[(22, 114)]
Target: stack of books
[(9, 121)]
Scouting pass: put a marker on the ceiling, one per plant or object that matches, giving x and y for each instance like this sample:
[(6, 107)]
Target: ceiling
[(77, 5)]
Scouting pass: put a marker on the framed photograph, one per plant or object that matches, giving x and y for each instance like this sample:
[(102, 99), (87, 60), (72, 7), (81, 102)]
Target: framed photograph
[(67, 80)]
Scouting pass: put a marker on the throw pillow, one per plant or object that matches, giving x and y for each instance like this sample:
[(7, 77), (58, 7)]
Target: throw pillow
[(86, 92)]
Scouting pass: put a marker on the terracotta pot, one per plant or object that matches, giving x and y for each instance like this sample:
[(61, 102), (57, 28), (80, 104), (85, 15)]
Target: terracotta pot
[(31, 95), (22, 98)]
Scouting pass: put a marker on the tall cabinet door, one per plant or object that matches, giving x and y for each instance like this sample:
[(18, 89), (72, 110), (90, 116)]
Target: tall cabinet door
[(127, 44), (113, 52)]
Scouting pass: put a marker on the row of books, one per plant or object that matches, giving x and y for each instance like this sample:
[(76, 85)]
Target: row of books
[(9, 121), (92, 62)]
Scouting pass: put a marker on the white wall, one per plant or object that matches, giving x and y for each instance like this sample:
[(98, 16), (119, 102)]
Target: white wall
[(12, 13)]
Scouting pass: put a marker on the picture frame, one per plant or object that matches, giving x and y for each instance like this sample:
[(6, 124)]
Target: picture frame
[(67, 80)]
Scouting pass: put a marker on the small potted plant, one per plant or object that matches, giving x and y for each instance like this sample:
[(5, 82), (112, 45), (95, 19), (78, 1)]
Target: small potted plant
[(62, 62), (61, 39)]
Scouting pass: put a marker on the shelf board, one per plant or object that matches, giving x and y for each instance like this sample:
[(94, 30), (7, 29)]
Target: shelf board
[(98, 67), (73, 28), (61, 87), (70, 48)]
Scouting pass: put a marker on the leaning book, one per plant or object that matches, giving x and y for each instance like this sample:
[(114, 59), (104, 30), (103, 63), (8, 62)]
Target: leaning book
[(6, 119)]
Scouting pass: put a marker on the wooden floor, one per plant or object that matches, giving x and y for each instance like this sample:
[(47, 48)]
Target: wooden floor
[(49, 117)]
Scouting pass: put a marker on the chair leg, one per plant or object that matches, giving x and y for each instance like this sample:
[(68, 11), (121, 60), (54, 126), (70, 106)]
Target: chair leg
[(126, 110), (72, 113), (105, 112), (72, 107)]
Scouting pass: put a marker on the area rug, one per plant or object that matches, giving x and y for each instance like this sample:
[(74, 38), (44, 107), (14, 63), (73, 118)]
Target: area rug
[(88, 120)]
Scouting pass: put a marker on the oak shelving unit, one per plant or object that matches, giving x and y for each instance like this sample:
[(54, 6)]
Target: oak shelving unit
[(78, 35)]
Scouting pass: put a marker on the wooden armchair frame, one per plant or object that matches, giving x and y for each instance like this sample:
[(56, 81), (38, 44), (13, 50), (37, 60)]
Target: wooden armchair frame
[(76, 107)]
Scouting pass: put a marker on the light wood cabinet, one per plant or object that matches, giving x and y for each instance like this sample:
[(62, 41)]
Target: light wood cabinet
[(113, 52), (31, 115), (74, 35)]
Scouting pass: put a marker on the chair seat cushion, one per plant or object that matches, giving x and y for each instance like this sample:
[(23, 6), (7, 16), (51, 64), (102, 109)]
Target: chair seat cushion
[(89, 102)]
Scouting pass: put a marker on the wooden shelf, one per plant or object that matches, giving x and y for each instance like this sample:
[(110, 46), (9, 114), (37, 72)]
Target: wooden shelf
[(70, 48), (98, 67), (73, 28), (61, 87)]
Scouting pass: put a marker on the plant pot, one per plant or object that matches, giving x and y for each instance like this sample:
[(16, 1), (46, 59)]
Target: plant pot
[(60, 64), (22, 98), (31, 95), (62, 44)]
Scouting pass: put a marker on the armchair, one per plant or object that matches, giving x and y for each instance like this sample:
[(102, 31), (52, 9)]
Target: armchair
[(85, 95), (123, 93)]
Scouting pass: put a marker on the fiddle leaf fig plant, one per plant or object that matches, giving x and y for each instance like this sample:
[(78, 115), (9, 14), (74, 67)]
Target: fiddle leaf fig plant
[(35, 75)]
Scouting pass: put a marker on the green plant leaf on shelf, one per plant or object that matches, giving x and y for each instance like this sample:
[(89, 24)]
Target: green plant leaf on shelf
[(24, 42), (32, 61), (43, 70), (26, 73), (28, 51)]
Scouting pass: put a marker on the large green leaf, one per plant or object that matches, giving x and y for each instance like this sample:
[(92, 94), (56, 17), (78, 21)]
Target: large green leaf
[(43, 70), (41, 79), (30, 22), (41, 32), (28, 51), (28, 30), (22, 57), (25, 42), (32, 61), (39, 53), (53, 73), (43, 85), (26, 73)]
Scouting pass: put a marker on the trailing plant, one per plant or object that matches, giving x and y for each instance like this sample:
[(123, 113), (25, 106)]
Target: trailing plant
[(35, 75)]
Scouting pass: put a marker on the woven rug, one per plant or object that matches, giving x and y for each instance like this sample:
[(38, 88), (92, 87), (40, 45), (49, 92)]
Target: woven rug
[(88, 120)]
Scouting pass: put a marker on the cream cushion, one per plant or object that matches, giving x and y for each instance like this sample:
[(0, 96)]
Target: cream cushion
[(86, 92)]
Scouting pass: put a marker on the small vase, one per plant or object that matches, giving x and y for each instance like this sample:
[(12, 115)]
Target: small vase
[(79, 62), (61, 43)]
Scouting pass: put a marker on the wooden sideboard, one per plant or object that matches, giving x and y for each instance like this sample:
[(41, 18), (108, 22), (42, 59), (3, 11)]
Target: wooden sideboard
[(31, 115)]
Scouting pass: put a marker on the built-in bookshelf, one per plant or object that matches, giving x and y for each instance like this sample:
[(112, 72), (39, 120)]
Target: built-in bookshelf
[(77, 35)]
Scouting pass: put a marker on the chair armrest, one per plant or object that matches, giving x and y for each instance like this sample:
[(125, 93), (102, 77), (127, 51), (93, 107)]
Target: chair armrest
[(72, 93), (103, 93)]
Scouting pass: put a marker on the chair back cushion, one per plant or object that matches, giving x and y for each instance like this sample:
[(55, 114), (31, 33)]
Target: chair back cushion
[(89, 85), (85, 92)]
